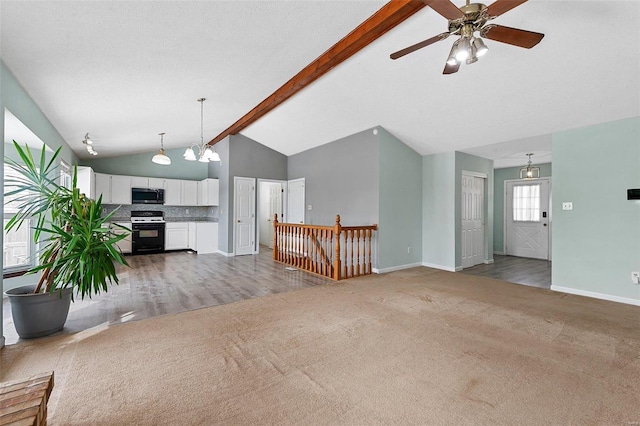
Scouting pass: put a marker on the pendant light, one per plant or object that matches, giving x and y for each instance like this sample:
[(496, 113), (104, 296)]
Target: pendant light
[(89, 144), (205, 152), (529, 172), (160, 158)]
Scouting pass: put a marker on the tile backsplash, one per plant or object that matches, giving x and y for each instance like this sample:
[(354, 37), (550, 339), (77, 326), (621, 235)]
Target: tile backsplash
[(194, 212)]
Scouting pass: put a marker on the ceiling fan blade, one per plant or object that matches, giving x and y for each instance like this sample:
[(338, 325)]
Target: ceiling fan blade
[(501, 6), (445, 8), (450, 69), (513, 36), (413, 48)]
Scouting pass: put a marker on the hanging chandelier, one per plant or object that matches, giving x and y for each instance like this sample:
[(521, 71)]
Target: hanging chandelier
[(160, 157), (205, 152), (529, 172)]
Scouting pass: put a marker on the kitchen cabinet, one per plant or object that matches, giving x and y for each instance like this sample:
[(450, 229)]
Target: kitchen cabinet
[(86, 182), (172, 192), (125, 244), (192, 236), (176, 236), (103, 187), (189, 193), (207, 237), (146, 182), (208, 192), (120, 189)]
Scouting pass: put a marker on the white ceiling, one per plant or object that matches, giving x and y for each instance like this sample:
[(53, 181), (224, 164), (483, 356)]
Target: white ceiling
[(125, 71)]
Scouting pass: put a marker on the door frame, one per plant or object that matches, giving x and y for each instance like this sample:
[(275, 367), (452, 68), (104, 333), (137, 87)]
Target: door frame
[(485, 208), (506, 207), (257, 214), (235, 199)]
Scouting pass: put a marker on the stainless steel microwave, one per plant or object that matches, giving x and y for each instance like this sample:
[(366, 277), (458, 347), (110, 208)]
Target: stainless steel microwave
[(147, 196)]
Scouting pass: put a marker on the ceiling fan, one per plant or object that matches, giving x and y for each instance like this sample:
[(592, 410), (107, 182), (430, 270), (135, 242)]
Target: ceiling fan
[(466, 21)]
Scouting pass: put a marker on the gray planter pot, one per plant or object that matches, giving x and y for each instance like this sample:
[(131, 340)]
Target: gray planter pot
[(38, 315)]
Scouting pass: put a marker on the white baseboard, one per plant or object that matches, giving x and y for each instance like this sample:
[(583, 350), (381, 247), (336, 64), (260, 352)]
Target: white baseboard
[(1, 342), (395, 268), (488, 261), (501, 253), (595, 295), (224, 253), (444, 268)]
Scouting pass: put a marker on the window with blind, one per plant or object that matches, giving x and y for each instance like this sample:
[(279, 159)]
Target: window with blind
[(526, 203)]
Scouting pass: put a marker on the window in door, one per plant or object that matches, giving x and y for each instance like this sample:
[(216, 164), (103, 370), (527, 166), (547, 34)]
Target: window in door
[(526, 203)]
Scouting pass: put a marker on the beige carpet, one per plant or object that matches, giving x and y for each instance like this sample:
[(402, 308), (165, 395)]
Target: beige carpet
[(411, 347)]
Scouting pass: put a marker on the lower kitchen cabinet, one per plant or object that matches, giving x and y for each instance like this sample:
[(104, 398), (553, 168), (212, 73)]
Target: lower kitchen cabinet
[(207, 237), (125, 244), (176, 236)]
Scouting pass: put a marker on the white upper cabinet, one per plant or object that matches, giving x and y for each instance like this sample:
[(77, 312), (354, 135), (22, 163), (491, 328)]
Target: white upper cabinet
[(146, 182), (139, 182), (208, 192), (103, 187), (189, 193), (86, 182), (156, 183), (120, 189), (172, 192)]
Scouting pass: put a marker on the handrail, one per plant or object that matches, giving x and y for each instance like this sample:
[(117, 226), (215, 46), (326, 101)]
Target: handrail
[(315, 248)]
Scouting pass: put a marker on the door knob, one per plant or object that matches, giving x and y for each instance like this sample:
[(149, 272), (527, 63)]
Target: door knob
[(545, 224), (238, 220)]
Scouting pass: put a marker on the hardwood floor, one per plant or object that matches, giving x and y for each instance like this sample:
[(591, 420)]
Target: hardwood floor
[(168, 283), (519, 270)]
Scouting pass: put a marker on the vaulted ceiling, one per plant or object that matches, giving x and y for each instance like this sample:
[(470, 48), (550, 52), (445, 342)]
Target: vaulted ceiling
[(125, 71)]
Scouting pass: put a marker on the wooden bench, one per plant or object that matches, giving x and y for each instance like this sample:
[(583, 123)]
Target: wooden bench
[(24, 402)]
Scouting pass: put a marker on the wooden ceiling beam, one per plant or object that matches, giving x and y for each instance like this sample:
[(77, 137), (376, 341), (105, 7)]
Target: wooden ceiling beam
[(390, 15)]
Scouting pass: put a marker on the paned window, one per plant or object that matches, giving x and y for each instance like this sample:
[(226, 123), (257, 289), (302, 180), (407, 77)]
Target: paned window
[(526, 203)]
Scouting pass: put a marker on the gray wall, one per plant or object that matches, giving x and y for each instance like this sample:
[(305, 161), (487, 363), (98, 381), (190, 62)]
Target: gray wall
[(596, 245), (400, 211), (223, 208), (141, 165), (438, 210), (342, 178), (246, 158), (472, 163), (499, 177)]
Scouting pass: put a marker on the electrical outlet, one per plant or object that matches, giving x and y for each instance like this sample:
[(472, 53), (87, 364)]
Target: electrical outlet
[(635, 277), (567, 205), (186, 211), (408, 249), (104, 210)]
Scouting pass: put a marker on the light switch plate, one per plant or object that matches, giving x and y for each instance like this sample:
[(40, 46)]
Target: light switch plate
[(635, 277), (567, 205)]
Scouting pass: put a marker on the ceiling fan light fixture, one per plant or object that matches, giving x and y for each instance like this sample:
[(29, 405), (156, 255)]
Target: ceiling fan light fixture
[(451, 60), (88, 143), (463, 49), (480, 48), (160, 157)]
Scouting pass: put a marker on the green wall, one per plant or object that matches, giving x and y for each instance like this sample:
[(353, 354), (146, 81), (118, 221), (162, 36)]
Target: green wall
[(499, 177), (400, 211), (438, 210), (141, 165), (596, 245)]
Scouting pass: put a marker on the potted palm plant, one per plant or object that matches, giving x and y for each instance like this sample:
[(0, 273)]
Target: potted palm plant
[(77, 250)]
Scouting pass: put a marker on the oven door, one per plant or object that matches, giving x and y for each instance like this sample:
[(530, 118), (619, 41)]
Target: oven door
[(147, 238)]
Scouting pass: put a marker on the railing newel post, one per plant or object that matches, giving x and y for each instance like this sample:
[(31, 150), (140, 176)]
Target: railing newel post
[(275, 237), (336, 260)]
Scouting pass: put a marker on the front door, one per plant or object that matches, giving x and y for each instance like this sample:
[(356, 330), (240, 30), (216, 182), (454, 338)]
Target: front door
[(527, 218), (472, 220), (244, 215)]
